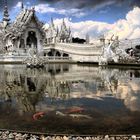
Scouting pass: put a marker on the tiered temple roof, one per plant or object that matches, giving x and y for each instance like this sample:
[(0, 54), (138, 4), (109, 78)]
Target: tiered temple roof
[(59, 35), (64, 31), (23, 19)]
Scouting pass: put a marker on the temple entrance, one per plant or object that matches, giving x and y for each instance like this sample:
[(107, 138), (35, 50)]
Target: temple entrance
[(32, 40)]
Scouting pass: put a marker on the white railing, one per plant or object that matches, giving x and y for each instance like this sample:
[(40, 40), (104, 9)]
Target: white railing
[(82, 49), (58, 58)]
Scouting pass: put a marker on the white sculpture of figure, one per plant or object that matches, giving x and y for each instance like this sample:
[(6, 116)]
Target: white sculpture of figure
[(112, 52), (107, 54), (30, 52), (120, 52), (32, 46), (53, 40), (9, 46)]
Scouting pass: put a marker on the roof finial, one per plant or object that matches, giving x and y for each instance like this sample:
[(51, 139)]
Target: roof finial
[(69, 30), (63, 21), (52, 23), (5, 13), (22, 5), (33, 8), (64, 24), (87, 38), (57, 30)]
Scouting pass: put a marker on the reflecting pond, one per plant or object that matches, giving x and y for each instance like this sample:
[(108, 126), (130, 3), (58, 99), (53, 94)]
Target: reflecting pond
[(65, 98)]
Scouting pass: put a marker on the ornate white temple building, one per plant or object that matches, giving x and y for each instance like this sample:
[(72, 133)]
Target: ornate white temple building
[(26, 36), (27, 32)]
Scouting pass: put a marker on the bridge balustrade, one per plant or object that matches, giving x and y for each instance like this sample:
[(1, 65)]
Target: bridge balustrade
[(75, 48), (57, 58)]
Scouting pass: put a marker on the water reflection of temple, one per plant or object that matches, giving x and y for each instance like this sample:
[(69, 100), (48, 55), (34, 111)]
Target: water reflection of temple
[(123, 84), (28, 87)]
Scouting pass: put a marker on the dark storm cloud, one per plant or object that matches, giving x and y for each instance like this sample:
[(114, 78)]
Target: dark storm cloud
[(79, 4), (50, 1), (135, 3), (10, 3), (82, 4)]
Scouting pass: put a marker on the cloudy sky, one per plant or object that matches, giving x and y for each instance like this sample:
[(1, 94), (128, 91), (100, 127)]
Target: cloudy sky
[(96, 17)]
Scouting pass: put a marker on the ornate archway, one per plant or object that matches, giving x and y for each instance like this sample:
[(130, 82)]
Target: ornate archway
[(65, 55), (58, 54), (31, 39), (54, 53), (51, 53)]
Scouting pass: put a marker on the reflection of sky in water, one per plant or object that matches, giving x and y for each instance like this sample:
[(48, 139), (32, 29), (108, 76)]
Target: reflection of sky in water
[(101, 83), (104, 94)]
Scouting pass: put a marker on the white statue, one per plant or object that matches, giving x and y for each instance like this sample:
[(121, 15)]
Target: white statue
[(112, 52)]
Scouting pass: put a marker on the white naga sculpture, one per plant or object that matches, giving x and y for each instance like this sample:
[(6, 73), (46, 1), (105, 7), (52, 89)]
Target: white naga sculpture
[(112, 52)]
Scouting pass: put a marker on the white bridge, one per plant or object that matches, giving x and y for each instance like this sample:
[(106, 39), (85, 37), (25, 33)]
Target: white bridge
[(76, 52)]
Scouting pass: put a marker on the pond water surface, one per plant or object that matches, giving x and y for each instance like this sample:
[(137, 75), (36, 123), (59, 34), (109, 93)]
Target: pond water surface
[(64, 98)]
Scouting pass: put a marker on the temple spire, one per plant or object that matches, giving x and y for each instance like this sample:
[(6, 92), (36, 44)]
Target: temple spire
[(69, 30), (6, 18), (63, 24), (63, 21), (52, 23), (57, 30), (87, 38)]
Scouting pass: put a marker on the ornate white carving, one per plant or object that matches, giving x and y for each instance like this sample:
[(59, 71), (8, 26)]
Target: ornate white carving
[(112, 52)]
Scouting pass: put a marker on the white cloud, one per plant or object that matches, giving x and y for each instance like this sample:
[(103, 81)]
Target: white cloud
[(76, 12), (45, 8), (129, 27), (124, 28), (18, 5), (133, 16), (103, 11)]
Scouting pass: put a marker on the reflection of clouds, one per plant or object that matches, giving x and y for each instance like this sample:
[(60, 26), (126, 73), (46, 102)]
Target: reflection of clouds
[(85, 95), (133, 102), (134, 86), (122, 87), (79, 82), (130, 93), (78, 86)]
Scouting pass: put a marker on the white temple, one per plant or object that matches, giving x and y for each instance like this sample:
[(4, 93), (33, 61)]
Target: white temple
[(26, 33)]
